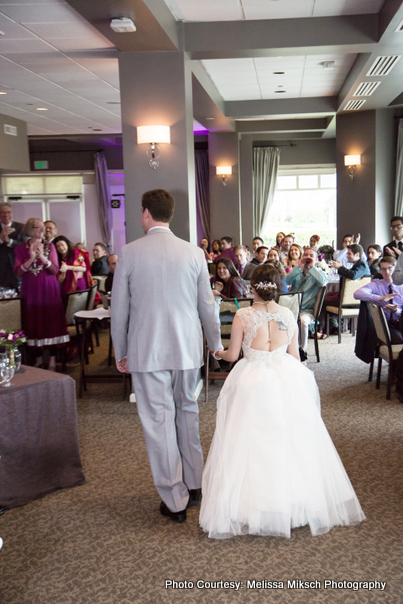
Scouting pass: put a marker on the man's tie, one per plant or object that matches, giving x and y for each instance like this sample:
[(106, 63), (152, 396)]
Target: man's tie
[(391, 301)]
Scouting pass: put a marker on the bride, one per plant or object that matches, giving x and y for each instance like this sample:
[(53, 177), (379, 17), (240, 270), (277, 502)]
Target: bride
[(272, 465)]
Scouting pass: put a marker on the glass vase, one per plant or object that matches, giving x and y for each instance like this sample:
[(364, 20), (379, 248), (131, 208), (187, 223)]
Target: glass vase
[(14, 357)]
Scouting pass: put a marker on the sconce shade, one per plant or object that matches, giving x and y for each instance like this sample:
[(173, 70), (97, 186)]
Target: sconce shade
[(223, 170), (352, 160), (153, 134)]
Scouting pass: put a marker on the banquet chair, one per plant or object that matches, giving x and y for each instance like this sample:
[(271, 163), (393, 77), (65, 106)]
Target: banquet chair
[(100, 279), (386, 350), (90, 305), (348, 307), (320, 298), (75, 301), (293, 301), (227, 311)]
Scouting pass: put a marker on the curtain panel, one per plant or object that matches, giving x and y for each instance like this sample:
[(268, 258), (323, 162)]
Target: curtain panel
[(399, 172), (104, 196), (202, 192), (266, 161)]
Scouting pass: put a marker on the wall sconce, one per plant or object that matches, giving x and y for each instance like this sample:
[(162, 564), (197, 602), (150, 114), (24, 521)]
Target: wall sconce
[(352, 161), (153, 135), (224, 171)]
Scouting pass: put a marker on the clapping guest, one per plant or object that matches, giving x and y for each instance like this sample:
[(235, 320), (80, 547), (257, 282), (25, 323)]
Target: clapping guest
[(228, 283), (355, 256), (206, 248), (295, 254), (10, 236), (50, 230), (215, 249), (75, 267), (285, 247), (99, 265), (396, 226), (260, 255), (43, 318), (341, 255)]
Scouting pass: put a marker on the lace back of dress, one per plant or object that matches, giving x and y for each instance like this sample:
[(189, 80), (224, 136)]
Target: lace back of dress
[(282, 326)]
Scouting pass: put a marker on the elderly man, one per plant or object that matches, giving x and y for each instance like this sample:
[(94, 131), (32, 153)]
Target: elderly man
[(309, 279), (161, 297), (227, 251), (10, 236), (111, 262), (245, 268), (50, 230)]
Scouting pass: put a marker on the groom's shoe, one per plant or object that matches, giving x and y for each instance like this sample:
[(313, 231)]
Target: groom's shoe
[(194, 497), (175, 516)]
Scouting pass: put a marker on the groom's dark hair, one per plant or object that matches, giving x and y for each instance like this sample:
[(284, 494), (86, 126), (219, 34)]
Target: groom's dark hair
[(160, 204)]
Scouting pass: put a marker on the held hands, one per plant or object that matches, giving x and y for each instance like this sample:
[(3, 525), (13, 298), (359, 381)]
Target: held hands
[(357, 239), (63, 267), (391, 252), (335, 264), (122, 366)]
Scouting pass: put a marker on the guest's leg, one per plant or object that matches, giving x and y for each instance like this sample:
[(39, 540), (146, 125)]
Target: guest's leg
[(187, 423), (306, 319), (156, 408)]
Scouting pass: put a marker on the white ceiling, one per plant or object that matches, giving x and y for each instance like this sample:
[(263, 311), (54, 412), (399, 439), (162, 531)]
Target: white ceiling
[(275, 77), (235, 10), (50, 57)]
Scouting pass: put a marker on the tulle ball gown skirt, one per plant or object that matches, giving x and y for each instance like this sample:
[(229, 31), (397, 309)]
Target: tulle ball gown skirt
[(272, 465)]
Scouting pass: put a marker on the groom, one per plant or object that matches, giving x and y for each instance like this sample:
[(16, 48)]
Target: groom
[(161, 292)]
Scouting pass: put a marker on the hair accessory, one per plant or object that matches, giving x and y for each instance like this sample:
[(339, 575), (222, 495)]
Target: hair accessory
[(265, 286)]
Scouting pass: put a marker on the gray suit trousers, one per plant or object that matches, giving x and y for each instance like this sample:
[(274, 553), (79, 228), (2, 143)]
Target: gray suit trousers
[(170, 419)]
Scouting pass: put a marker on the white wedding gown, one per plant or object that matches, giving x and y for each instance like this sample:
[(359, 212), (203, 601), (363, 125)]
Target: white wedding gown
[(272, 465)]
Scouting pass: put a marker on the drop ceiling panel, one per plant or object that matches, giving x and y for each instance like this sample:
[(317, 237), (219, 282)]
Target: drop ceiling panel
[(13, 30), (41, 13), (234, 10), (17, 45)]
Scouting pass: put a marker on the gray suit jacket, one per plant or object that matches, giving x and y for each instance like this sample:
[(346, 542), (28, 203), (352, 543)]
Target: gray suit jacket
[(161, 291), (248, 270)]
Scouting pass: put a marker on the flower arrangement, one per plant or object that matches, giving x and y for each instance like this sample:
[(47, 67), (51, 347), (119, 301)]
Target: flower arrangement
[(12, 339), (321, 263)]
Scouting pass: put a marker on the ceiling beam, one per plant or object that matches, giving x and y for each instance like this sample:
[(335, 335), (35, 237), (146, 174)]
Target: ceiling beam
[(281, 108), (237, 39), (283, 126)]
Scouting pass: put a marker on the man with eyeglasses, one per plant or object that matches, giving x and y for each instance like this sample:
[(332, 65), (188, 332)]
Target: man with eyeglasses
[(10, 236), (396, 245)]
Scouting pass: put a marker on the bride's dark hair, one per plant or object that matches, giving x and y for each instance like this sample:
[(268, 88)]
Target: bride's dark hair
[(266, 280)]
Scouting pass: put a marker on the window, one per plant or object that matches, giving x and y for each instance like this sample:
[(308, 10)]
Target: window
[(304, 204)]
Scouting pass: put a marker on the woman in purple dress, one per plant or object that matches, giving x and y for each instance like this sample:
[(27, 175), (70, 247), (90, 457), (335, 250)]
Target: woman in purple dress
[(43, 316)]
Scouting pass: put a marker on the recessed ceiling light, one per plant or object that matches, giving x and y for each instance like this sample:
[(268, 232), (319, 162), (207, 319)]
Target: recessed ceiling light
[(1, 33), (279, 91), (3, 92), (280, 86), (96, 130), (41, 109), (278, 72)]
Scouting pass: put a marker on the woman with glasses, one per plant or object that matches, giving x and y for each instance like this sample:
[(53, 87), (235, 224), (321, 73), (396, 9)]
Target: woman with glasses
[(42, 312)]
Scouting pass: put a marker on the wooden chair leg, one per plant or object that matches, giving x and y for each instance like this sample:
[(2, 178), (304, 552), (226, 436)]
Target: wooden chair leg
[(378, 376), (371, 369), (327, 323), (315, 339), (339, 329)]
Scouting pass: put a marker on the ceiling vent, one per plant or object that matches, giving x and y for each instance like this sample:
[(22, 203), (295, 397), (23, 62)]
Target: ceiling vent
[(354, 105), (400, 26), (382, 66), (11, 130), (366, 88)]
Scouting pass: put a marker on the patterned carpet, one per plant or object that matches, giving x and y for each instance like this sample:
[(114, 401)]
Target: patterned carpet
[(106, 543)]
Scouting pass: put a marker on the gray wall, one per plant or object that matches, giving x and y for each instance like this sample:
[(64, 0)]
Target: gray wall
[(156, 88), (386, 128), (14, 154)]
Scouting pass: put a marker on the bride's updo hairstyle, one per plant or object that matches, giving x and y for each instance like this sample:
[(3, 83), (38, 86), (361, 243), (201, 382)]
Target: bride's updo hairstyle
[(266, 281)]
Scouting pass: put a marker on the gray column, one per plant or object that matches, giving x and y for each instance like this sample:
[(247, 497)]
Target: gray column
[(156, 89)]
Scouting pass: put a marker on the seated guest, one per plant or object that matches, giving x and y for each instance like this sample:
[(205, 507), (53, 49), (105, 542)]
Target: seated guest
[(285, 247), (341, 255), (206, 249), (396, 226), (354, 256), (99, 265), (215, 249), (260, 255), (294, 256), (244, 268), (257, 242), (314, 242), (274, 254), (112, 259), (74, 266), (309, 279), (374, 254), (227, 251), (228, 283), (388, 295), (280, 267), (11, 235), (50, 230), (279, 239), (80, 246)]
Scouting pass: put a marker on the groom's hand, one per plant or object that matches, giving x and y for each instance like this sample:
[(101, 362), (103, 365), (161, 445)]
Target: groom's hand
[(122, 366)]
